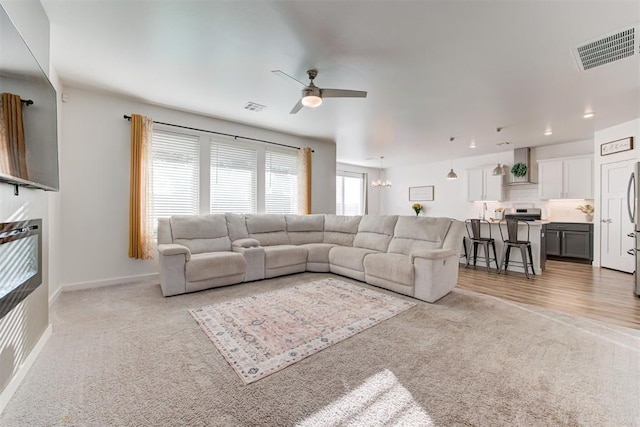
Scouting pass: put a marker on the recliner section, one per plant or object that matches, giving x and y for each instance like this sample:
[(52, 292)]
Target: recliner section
[(415, 256)]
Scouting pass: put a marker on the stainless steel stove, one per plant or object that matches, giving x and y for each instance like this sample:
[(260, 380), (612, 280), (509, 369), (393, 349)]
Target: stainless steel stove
[(524, 214)]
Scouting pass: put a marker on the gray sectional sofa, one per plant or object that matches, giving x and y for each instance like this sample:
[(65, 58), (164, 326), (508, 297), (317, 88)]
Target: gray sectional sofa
[(415, 256)]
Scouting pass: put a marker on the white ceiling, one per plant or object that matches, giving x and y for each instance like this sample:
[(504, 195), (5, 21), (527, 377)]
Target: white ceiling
[(433, 69)]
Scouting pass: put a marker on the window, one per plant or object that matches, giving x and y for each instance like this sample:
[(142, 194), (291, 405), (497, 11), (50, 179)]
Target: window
[(350, 193), (175, 159), (281, 182), (233, 184), (195, 174)]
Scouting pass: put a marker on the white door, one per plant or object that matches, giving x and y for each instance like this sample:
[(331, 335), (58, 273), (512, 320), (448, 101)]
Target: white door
[(616, 225)]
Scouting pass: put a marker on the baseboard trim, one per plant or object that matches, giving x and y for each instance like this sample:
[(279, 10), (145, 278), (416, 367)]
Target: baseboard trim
[(53, 298), (110, 282), (15, 382)]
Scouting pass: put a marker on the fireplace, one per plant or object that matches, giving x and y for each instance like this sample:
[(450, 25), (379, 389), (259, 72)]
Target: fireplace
[(20, 262)]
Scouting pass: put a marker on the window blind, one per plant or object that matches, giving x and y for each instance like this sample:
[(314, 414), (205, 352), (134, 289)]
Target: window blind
[(281, 182), (175, 174), (233, 178)]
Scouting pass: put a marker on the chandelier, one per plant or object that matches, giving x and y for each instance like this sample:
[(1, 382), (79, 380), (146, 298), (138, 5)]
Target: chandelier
[(381, 182)]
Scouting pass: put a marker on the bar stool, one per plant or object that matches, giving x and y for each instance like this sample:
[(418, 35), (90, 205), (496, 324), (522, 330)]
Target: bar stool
[(475, 237), (512, 241)]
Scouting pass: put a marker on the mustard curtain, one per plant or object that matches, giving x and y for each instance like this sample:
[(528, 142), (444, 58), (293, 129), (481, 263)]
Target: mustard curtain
[(13, 150), (304, 181), (141, 193)]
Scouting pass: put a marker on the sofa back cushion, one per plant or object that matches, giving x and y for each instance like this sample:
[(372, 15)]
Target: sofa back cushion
[(340, 230), (268, 229), (237, 226), (303, 229), (418, 233), (375, 232), (201, 233)]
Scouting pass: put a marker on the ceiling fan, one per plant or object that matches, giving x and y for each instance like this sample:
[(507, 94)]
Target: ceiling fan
[(312, 95)]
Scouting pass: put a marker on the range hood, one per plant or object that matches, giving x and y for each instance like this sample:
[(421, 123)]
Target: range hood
[(523, 155)]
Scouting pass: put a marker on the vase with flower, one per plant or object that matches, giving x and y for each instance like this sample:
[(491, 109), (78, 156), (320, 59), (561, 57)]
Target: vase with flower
[(417, 207), (587, 210)]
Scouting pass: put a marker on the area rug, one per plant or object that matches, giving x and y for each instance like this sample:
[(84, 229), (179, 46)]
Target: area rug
[(262, 334)]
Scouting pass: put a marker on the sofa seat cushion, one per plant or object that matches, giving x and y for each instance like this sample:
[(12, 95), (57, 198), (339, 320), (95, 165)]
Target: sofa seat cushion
[(284, 256), (392, 267), (351, 258), (214, 264), (318, 252)]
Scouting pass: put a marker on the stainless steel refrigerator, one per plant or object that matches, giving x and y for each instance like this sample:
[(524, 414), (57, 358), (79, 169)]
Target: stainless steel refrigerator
[(633, 205)]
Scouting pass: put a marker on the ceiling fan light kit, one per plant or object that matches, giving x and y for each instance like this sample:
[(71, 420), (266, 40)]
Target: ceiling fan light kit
[(311, 101)]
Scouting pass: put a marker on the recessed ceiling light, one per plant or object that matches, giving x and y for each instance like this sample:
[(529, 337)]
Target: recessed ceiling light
[(589, 115), (548, 132), (472, 145)]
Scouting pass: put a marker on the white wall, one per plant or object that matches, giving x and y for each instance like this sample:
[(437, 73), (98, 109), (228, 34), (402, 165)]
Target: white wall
[(22, 328), (95, 181), (373, 194), (451, 196), (623, 130)]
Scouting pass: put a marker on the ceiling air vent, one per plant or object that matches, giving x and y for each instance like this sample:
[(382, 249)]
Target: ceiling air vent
[(608, 48), (252, 106)]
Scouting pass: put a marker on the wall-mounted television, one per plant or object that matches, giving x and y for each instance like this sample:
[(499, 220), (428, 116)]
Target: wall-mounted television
[(28, 115)]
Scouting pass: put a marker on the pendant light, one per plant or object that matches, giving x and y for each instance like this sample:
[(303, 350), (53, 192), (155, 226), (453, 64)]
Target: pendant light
[(381, 182), (498, 170), (451, 174)]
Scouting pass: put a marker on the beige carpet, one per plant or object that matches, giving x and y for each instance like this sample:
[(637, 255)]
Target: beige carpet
[(124, 355), (268, 331)]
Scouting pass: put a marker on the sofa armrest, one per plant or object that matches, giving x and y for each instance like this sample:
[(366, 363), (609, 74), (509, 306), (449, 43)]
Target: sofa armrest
[(245, 243), (168, 249), (434, 254)]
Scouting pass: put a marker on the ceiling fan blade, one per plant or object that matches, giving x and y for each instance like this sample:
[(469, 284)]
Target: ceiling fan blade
[(297, 107), (284, 75), (342, 93)]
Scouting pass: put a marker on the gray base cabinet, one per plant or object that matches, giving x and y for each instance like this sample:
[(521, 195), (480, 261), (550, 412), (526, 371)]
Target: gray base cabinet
[(570, 241)]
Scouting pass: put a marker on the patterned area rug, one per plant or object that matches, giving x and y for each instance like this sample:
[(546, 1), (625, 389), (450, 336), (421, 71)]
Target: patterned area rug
[(262, 334)]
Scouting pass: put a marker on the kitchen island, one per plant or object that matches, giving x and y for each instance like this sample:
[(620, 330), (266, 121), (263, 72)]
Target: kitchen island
[(492, 229)]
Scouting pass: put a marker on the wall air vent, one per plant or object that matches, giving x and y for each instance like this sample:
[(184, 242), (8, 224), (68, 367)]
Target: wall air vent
[(605, 49)]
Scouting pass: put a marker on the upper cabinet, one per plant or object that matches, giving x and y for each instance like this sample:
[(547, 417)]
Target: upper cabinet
[(483, 185), (567, 178)]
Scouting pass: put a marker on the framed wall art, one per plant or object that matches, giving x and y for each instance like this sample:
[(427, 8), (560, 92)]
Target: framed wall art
[(424, 193), (616, 146)]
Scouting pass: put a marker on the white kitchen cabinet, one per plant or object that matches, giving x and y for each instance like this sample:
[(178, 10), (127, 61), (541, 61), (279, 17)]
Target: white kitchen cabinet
[(483, 185), (567, 178)]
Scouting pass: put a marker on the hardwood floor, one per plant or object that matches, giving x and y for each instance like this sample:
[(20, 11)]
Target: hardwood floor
[(576, 289)]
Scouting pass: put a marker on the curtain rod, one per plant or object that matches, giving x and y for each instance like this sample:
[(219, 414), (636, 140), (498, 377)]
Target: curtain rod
[(221, 133), (27, 101)]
